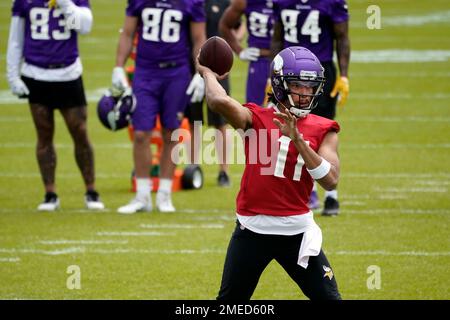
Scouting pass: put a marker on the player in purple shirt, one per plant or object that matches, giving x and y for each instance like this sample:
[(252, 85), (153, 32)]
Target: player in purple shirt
[(318, 25), (259, 16), (161, 82), (43, 65)]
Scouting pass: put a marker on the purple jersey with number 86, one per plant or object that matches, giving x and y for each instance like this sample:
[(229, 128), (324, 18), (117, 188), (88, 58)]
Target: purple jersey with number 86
[(164, 30)]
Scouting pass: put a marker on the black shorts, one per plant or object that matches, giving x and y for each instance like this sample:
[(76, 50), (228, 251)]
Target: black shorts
[(56, 95), (326, 106), (194, 111)]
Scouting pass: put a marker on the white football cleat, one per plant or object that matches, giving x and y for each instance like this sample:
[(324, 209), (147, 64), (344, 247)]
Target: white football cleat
[(136, 205), (51, 202), (92, 200), (164, 202)]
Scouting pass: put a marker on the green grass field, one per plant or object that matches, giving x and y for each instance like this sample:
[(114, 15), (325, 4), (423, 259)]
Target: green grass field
[(395, 176)]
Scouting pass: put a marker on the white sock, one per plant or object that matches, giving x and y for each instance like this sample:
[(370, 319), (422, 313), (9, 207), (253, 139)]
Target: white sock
[(143, 187), (333, 194), (165, 185)]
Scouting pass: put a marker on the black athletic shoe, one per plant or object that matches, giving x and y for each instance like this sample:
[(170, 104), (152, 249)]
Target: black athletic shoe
[(51, 202), (331, 207), (92, 200), (223, 179)]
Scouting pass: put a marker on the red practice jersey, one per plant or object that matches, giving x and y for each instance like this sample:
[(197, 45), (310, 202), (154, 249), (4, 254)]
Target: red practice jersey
[(275, 180)]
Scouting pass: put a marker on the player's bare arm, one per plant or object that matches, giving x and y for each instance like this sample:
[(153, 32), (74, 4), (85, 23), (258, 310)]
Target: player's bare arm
[(287, 123), (329, 151), (239, 31), (342, 47), (218, 101), (228, 22), (276, 44), (126, 40), (198, 37)]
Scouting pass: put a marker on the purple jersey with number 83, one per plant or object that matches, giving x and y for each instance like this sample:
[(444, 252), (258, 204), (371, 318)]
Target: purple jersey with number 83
[(48, 41)]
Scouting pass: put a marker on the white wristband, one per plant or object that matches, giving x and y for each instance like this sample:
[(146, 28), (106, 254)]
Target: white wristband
[(320, 171)]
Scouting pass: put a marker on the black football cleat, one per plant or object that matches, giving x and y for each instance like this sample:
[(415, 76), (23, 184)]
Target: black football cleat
[(223, 179), (331, 207), (51, 202)]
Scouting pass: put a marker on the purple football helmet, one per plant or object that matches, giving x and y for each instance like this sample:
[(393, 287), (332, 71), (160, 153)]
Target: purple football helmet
[(300, 66), (115, 112)]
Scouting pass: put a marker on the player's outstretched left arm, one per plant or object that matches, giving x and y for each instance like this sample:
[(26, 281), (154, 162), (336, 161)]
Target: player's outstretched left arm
[(322, 165), (218, 101), (79, 18)]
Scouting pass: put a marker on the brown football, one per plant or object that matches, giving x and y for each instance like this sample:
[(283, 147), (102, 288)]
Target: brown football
[(217, 55)]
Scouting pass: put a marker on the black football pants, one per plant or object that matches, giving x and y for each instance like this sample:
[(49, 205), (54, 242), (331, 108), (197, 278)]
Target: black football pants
[(249, 253)]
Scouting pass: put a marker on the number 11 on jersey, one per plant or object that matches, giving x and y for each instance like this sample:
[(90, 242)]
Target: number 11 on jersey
[(281, 160)]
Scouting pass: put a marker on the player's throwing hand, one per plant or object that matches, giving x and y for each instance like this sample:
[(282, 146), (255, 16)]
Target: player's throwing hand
[(289, 127)]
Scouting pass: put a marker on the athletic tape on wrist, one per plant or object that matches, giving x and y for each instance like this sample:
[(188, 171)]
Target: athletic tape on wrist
[(320, 171)]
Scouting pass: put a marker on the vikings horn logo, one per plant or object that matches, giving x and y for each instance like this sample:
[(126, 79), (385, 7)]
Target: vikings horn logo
[(278, 64), (328, 272)]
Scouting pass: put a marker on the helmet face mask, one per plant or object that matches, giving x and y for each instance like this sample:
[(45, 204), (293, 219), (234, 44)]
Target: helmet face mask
[(296, 72), (115, 112)]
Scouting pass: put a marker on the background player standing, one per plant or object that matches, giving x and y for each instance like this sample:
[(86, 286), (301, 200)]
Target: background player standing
[(161, 78), (43, 64)]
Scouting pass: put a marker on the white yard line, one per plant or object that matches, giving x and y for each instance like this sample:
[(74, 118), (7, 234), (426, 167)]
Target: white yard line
[(231, 217), (82, 242), (418, 175), (27, 145), (63, 175), (389, 253), (398, 119), (411, 190), (182, 226), (399, 56), (203, 251), (443, 211), (398, 96), (133, 234), (11, 260), (204, 211), (397, 74), (396, 146), (157, 251), (58, 252), (417, 20), (352, 203)]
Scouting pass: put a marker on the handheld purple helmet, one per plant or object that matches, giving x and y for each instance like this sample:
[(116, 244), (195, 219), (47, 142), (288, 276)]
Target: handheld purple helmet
[(115, 112), (297, 65)]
